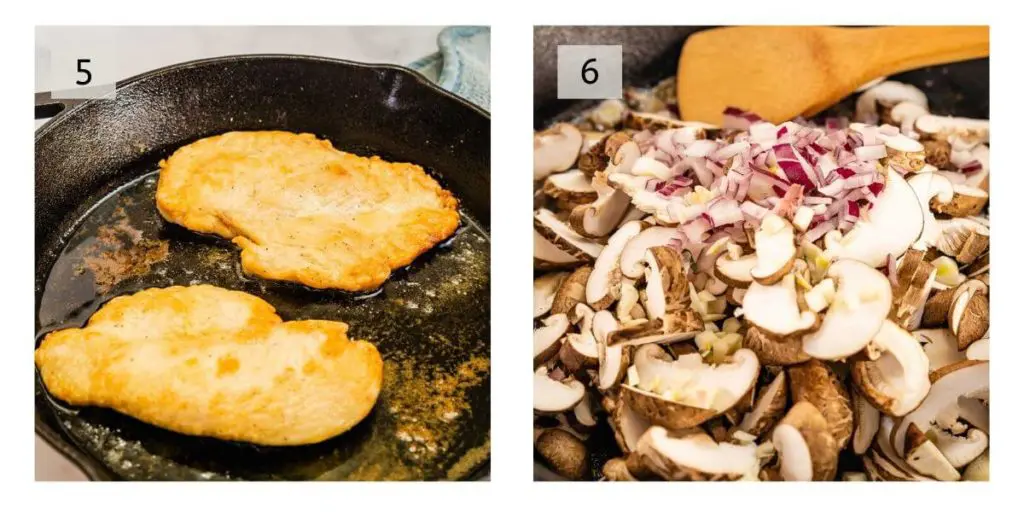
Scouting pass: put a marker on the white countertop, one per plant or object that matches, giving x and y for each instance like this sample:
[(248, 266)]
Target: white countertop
[(141, 49)]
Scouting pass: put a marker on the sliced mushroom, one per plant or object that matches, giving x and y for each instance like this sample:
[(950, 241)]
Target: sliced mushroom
[(598, 156), (931, 186), (963, 238), (887, 95), (885, 454), (571, 292), (694, 456), (937, 153), (546, 339), (948, 385), (570, 189), (603, 284), (978, 351), (925, 457), (905, 114), (960, 450), (904, 153), (897, 381), (940, 347), (966, 201), (775, 308), (968, 313), (558, 234), (936, 308), (564, 453), (627, 426), (635, 250), (914, 279), (612, 362), (769, 407), (943, 127), (544, 288), (555, 149), (806, 449), (775, 249), (866, 420), (977, 471), (676, 326), (735, 272), (552, 396), (686, 392), (579, 352), (601, 217), (666, 281), (815, 383), (896, 220), (616, 470), (862, 302)]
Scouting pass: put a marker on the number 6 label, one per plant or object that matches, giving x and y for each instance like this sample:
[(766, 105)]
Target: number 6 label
[(591, 72)]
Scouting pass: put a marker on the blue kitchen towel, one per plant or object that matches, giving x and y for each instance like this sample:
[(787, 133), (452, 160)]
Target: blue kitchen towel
[(462, 64)]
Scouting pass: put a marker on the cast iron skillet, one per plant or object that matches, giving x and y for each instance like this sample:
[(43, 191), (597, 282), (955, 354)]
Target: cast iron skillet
[(651, 54), (98, 235)]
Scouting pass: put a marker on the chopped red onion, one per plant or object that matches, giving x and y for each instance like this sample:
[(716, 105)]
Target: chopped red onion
[(700, 148), (724, 211), (812, 200), (738, 119), (695, 229), (819, 230), (753, 210), (876, 188)]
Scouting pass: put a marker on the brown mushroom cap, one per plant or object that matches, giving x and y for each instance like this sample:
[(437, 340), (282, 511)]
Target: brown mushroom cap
[(775, 350), (564, 454), (814, 382)]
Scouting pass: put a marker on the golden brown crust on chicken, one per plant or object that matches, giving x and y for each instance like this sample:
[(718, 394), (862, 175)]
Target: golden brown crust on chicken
[(206, 361), (303, 211)]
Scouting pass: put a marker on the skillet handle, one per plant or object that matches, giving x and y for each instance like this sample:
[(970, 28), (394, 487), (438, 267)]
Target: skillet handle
[(47, 107)]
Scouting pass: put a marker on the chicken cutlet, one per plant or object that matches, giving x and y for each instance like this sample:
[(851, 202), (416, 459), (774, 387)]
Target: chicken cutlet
[(206, 361), (303, 211)]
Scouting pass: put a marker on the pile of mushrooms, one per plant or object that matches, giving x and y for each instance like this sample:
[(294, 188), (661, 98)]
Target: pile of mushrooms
[(749, 301)]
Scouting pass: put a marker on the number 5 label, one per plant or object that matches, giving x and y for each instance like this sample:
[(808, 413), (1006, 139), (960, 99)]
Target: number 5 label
[(591, 72), (81, 61)]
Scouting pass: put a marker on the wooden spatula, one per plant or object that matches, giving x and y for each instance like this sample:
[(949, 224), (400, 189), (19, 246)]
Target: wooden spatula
[(782, 72)]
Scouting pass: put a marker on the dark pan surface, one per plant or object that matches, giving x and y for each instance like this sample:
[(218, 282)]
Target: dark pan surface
[(98, 235), (651, 54)]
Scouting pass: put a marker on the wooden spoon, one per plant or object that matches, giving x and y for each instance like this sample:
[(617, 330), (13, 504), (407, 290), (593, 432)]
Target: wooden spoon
[(782, 72)]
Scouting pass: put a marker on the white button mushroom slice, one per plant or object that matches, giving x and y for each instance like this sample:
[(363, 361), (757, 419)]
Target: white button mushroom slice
[(925, 457), (694, 456), (598, 219), (775, 308), (806, 449), (964, 238), (960, 450), (863, 300), (579, 351), (816, 383), (570, 188), (978, 351), (896, 382), (904, 153), (544, 288), (885, 451), (977, 471), (549, 226), (555, 149), (769, 407), (948, 385), (942, 127), (930, 186), (666, 280), (612, 363), (602, 286), (547, 254), (890, 227), (939, 346), (627, 426), (887, 94), (632, 260), (584, 413), (624, 159), (686, 392), (551, 396), (973, 411), (775, 249), (866, 420), (545, 339), (905, 114)]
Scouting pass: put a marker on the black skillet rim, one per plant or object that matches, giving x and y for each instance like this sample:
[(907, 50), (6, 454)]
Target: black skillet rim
[(94, 470)]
